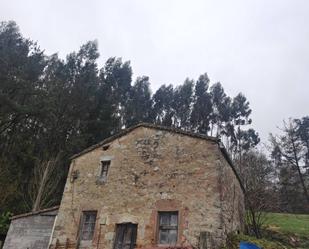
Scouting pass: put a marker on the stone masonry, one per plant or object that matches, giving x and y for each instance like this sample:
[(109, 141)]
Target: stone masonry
[(152, 169), (31, 230)]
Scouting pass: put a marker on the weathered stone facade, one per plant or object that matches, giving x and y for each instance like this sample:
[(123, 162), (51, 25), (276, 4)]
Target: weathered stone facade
[(152, 169)]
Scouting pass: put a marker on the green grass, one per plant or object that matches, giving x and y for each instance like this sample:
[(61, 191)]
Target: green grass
[(281, 231), (288, 223)]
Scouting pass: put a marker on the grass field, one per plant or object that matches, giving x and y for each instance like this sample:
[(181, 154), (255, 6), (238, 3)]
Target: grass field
[(288, 223), (281, 231)]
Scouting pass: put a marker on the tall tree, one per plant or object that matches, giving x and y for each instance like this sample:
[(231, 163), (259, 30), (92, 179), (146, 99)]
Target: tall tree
[(202, 107), (163, 111), (221, 105), (292, 152), (68, 90), (51, 108), (140, 102), (302, 131), (245, 141), (21, 68), (118, 77), (240, 110), (241, 140), (257, 179), (182, 104)]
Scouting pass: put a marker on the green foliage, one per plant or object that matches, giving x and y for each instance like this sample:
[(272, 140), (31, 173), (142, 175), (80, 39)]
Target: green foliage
[(241, 110), (139, 103), (202, 107), (182, 100), (221, 105), (282, 230), (5, 222), (163, 105), (51, 108), (289, 229), (290, 157)]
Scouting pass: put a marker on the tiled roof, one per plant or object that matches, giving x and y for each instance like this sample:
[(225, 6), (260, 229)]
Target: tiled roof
[(35, 212)]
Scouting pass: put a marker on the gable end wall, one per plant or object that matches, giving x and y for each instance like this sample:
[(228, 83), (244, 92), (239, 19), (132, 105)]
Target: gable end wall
[(151, 170)]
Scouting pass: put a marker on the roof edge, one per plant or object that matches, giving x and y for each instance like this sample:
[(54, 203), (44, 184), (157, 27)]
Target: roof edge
[(230, 162), (147, 125), (34, 212), (170, 129)]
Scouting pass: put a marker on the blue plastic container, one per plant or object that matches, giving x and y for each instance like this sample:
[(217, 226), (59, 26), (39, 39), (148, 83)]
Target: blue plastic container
[(247, 245)]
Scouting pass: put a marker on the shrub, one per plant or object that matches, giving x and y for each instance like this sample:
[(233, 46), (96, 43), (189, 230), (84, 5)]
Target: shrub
[(5, 222)]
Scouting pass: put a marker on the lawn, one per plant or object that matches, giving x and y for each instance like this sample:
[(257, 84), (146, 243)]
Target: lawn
[(288, 223), (281, 231)]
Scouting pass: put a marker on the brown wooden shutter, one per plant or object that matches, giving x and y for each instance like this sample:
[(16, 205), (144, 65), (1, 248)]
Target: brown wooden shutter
[(125, 236)]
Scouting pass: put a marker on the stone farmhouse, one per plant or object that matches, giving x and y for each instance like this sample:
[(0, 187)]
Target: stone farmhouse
[(150, 187)]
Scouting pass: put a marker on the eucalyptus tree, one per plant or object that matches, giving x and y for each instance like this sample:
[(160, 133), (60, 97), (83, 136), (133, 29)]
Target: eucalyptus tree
[(51, 108), (182, 104), (68, 100), (302, 130), (117, 77), (221, 104), (202, 106), (291, 149), (139, 107), (21, 67), (240, 116), (22, 64), (163, 111)]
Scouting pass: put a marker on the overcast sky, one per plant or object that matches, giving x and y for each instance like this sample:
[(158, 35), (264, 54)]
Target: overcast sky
[(260, 48)]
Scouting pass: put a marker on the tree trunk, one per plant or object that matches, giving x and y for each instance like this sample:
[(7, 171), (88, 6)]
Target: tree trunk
[(299, 173), (38, 199), (303, 184), (255, 226)]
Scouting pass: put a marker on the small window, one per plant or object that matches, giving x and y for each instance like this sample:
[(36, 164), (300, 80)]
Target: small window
[(104, 170), (88, 225), (168, 228)]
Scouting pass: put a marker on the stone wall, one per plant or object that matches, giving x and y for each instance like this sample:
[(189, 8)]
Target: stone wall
[(31, 231), (152, 170), (232, 199)]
